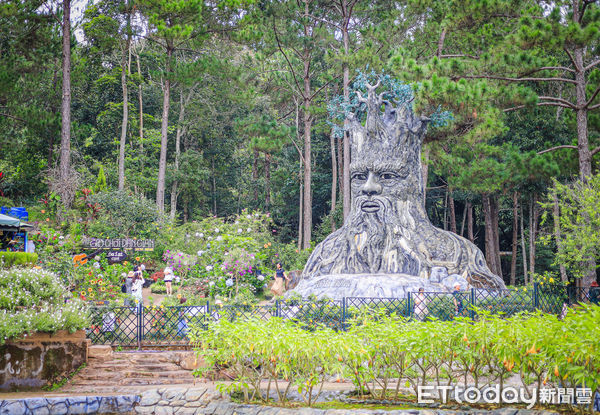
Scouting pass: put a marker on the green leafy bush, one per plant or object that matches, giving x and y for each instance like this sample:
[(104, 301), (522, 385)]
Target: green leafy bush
[(14, 259), (33, 300), (124, 215), (381, 352)]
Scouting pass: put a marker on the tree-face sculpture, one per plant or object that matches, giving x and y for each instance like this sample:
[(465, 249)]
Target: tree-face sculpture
[(387, 244)]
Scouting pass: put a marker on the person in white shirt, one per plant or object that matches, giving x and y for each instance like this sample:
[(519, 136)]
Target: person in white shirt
[(136, 287), (168, 279)]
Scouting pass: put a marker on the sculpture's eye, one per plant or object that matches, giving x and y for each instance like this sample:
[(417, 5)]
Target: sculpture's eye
[(388, 175), (360, 176)]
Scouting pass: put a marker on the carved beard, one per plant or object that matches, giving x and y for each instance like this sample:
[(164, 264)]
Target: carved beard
[(374, 240)]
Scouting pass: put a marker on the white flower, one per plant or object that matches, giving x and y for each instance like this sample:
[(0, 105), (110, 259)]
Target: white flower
[(216, 230), (265, 286), (200, 235), (61, 237), (229, 282), (210, 238), (261, 277), (237, 222), (209, 268), (248, 216), (210, 284), (143, 267), (197, 234), (96, 265), (219, 238), (200, 253), (240, 230), (249, 230)]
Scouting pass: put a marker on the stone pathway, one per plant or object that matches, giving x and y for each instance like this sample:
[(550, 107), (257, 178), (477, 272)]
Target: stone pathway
[(109, 372)]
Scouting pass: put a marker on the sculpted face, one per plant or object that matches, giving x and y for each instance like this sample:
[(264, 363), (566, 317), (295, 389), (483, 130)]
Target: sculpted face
[(376, 186)]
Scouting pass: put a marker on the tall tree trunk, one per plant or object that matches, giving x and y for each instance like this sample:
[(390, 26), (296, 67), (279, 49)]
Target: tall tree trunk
[(65, 132), (181, 130), (53, 110), (300, 216), (445, 216), (307, 202), (307, 119), (300, 178), (340, 166), (267, 181), (186, 203), (141, 105), (523, 249), (464, 219), (557, 235), (452, 212), (533, 214), (178, 134), (515, 239), (347, 195), (124, 75), (470, 235), (583, 147), (164, 130), (496, 233), (333, 180), (490, 210)]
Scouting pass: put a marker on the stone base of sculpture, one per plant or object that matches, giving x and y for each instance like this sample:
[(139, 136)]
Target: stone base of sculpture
[(375, 285)]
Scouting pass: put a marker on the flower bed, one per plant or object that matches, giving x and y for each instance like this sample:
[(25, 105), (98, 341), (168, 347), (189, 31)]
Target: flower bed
[(33, 300)]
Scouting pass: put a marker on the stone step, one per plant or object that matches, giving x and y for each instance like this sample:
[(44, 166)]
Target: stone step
[(115, 383), (132, 374)]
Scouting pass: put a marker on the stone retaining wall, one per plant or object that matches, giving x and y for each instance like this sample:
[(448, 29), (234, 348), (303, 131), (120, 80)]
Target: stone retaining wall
[(70, 405), (199, 401), (35, 360)]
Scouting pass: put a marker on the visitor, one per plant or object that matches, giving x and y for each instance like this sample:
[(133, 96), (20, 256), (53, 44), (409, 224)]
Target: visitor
[(127, 285), (594, 293), (420, 305), (136, 288), (458, 302), (168, 278), (279, 284)]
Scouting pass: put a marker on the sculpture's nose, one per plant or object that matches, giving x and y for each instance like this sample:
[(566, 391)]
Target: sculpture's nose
[(371, 186)]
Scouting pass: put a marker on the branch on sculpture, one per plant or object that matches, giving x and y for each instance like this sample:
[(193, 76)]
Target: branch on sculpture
[(360, 97)]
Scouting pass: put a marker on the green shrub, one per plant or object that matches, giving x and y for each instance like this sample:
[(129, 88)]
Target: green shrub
[(381, 352), (14, 259), (33, 300)]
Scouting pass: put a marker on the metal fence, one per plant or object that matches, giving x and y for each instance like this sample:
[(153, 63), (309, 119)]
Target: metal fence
[(168, 326)]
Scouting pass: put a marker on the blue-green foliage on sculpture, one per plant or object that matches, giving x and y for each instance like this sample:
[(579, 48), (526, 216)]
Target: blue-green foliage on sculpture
[(399, 94)]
